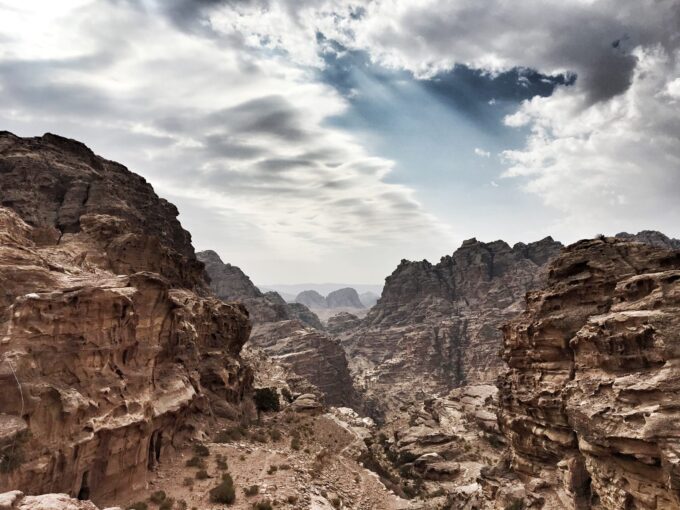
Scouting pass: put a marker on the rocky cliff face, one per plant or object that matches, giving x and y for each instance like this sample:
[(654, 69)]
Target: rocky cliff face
[(110, 346), (652, 238), (437, 326), (589, 403), (311, 354), (229, 283)]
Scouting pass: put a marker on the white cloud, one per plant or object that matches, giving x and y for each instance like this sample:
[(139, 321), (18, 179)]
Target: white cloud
[(610, 166), (230, 132), (482, 153)]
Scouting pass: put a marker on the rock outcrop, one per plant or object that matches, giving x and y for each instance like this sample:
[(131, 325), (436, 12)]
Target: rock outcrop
[(229, 283), (344, 298), (436, 327), (651, 237), (342, 323), (310, 353), (16, 500), (589, 404), (111, 347)]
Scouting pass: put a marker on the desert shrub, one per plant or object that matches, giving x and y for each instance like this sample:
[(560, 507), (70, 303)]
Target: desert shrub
[(516, 503), (284, 467), (188, 482), (167, 504), (224, 493), (275, 434), (287, 394), (259, 436), (182, 505), (202, 474), (252, 490), (201, 450), (336, 502), (272, 470), (263, 505), (231, 434), (266, 399), (295, 441), (292, 499), (140, 505), (242, 457), (196, 462), (157, 497), (221, 462)]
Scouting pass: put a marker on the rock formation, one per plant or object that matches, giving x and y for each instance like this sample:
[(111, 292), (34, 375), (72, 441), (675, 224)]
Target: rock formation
[(589, 404), (311, 354), (342, 323), (229, 283), (111, 348), (651, 237), (344, 298), (311, 299), (436, 327)]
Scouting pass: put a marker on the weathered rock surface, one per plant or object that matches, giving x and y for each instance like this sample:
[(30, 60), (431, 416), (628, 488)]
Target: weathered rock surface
[(589, 404), (231, 284), (436, 327), (342, 323), (310, 353), (110, 346), (344, 298), (16, 500)]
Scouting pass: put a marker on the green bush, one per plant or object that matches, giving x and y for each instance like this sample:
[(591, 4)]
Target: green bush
[(167, 504), (252, 490), (157, 497), (196, 462), (224, 493), (266, 399), (201, 450)]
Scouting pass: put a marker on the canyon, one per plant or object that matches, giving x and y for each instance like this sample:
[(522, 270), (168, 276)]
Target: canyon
[(502, 377)]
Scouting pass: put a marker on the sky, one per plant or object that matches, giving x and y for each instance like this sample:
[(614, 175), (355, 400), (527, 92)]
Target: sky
[(326, 140)]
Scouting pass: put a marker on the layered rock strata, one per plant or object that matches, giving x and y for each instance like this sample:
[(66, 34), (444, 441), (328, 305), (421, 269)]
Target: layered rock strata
[(310, 353), (436, 327), (111, 348), (589, 403)]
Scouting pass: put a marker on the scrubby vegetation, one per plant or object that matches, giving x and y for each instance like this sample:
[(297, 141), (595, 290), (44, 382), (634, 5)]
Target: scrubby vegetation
[(224, 493), (266, 399)]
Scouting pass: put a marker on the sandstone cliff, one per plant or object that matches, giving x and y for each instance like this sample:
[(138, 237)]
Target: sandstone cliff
[(229, 283), (589, 403), (110, 346), (436, 327)]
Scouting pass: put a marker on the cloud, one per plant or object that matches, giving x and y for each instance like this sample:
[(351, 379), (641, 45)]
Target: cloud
[(482, 153), (220, 128), (610, 166)]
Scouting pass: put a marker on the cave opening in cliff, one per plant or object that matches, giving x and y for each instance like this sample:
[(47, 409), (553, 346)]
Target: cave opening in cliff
[(84, 492), (155, 445)]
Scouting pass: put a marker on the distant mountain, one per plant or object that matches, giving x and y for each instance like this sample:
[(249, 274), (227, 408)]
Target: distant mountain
[(311, 299), (344, 298), (369, 299), (287, 290)]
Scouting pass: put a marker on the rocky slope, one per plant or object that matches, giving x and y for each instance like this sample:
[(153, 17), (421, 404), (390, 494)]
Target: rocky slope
[(436, 327), (229, 283), (111, 348), (589, 404)]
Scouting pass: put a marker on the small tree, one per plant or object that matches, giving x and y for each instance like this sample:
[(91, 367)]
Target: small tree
[(266, 399)]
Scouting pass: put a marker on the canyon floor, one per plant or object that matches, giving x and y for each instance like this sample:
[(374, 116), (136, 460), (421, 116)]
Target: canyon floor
[(319, 470)]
